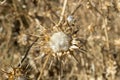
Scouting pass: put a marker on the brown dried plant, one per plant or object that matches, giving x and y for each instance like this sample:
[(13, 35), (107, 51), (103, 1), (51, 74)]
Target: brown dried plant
[(60, 39)]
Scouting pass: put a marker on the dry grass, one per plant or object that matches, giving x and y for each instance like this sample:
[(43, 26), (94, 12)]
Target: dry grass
[(92, 26)]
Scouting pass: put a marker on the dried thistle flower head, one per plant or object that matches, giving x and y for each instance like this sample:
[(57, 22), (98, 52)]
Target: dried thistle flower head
[(15, 74), (70, 18), (59, 41)]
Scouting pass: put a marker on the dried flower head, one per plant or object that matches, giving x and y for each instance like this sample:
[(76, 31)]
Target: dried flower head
[(15, 74), (59, 41), (70, 18)]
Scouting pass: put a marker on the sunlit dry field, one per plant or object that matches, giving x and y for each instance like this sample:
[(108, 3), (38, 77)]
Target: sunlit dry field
[(59, 40)]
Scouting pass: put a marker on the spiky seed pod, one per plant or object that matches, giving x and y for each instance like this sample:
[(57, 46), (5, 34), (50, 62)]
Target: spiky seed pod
[(16, 74), (59, 41)]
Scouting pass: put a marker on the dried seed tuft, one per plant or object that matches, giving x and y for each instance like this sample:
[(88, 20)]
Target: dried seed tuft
[(59, 42)]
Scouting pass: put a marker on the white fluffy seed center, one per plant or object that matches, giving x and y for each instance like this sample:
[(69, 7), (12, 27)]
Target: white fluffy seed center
[(59, 42)]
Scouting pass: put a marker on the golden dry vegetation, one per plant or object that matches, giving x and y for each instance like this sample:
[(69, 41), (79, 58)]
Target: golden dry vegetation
[(59, 40)]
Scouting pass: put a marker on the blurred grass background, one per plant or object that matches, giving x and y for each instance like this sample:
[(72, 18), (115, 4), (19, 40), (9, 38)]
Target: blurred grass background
[(97, 25)]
